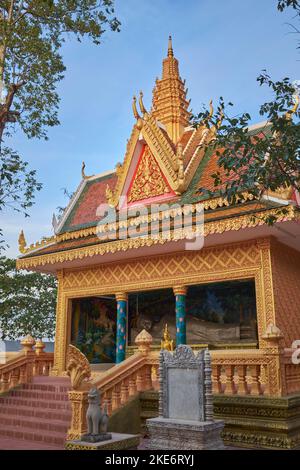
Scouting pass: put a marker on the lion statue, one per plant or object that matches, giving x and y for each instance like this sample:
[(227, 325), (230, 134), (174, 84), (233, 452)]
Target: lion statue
[(96, 419)]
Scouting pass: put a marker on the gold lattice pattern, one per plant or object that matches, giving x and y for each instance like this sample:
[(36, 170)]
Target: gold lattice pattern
[(162, 267)]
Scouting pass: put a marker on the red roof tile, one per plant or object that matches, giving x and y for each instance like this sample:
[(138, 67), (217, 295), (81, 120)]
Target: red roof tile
[(93, 195)]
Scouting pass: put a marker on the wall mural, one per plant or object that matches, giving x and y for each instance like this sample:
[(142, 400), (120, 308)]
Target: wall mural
[(224, 312), (151, 311), (94, 328)]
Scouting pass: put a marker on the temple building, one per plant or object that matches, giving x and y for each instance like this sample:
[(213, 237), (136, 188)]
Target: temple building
[(125, 263)]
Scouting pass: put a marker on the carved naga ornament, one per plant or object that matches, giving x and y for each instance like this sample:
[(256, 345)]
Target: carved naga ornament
[(78, 368)]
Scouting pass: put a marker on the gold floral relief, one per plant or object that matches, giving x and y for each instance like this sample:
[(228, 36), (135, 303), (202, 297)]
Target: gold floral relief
[(149, 180)]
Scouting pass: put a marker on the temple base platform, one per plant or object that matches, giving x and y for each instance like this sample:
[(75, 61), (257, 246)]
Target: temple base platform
[(174, 434)]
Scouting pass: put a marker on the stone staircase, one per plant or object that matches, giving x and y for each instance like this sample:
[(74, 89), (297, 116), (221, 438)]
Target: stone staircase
[(36, 415)]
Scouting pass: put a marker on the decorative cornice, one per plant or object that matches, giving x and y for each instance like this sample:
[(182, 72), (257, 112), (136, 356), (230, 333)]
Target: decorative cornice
[(113, 195), (210, 204), (221, 226)]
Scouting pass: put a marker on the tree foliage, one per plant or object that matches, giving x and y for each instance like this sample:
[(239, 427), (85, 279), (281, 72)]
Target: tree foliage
[(32, 33), (27, 302), (267, 159)]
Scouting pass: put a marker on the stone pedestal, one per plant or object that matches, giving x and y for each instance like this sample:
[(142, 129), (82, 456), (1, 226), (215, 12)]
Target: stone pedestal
[(174, 434), (117, 442)]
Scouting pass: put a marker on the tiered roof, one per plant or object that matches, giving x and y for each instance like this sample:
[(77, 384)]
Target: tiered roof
[(166, 160)]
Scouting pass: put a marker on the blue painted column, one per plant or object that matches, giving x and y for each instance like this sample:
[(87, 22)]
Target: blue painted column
[(180, 306), (121, 326)]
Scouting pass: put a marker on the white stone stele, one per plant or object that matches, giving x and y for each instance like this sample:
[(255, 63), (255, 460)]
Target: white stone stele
[(174, 434), (185, 419)]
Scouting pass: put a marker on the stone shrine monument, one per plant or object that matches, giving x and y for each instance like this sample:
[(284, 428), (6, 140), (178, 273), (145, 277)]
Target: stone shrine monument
[(185, 419)]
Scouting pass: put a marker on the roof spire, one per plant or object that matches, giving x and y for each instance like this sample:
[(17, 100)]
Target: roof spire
[(169, 104), (170, 47)]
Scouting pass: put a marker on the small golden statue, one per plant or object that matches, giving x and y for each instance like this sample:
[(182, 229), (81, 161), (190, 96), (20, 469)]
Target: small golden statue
[(167, 342)]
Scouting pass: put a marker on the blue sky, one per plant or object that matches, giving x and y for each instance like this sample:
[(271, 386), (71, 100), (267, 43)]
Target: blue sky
[(221, 46)]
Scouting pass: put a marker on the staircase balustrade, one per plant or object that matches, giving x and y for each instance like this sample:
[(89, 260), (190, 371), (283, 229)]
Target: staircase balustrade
[(26, 364), (248, 372)]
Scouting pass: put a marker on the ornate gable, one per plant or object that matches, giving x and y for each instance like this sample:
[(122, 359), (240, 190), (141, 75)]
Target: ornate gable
[(163, 130), (148, 181)]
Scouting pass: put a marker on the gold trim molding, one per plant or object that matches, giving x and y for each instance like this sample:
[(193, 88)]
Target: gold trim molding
[(221, 226)]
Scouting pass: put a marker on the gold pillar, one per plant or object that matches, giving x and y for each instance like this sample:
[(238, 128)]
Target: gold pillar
[(61, 333), (266, 290)]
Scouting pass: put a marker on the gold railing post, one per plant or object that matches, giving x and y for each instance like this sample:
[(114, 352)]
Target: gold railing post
[(242, 388), (28, 342), (79, 404), (143, 342), (39, 347), (230, 385)]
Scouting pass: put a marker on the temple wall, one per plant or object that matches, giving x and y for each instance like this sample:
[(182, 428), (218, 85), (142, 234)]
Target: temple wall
[(286, 282)]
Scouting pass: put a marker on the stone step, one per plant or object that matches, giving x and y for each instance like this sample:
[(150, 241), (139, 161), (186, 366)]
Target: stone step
[(63, 415), (34, 403), (47, 388), (7, 443), (34, 423), (29, 434), (39, 394), (36, 415)]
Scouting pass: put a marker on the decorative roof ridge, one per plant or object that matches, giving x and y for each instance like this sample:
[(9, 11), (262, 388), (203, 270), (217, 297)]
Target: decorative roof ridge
[(45, 242), (191, 139), (113, 195), (100, 175), (164, 142), (259, 125), (229, 224), (71, 204), (197, 155)]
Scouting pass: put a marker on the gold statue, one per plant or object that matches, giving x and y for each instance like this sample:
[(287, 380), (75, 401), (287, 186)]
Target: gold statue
[(167, 342)]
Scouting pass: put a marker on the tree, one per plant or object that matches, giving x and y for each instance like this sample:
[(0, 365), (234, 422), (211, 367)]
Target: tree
[(27, 302), (267, 160), (32, 33)]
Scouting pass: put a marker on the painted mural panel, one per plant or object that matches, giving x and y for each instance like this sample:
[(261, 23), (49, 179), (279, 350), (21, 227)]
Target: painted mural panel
[(151, 311), (94, 328), (222, 312)]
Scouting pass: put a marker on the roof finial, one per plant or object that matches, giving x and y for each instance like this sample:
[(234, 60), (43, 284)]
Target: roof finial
[(170, 47), (134, 108), (142, 107)]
